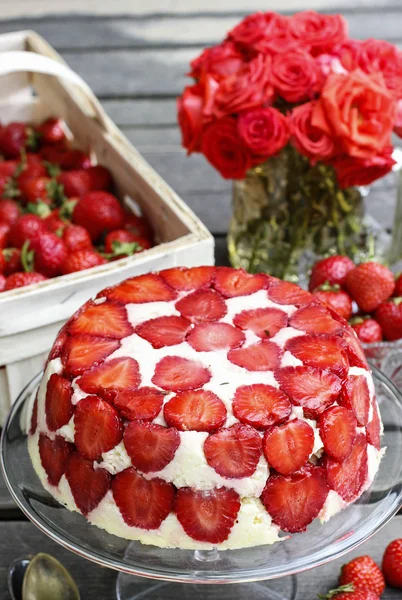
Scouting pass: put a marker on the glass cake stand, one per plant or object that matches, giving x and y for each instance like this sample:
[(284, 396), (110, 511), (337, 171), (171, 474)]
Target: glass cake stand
[(255, 570)]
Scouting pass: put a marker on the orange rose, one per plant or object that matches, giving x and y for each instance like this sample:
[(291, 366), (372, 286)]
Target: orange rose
[(358, 110)]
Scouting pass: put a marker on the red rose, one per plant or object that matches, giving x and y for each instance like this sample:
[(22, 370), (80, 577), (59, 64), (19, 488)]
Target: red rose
[(398, 119), (349, 54), (319, 33), (359, 110), (256, 28), (309, 140), (264, 131), (296, 76), (219, 61), (378, 56), (193, 110), (223, 147), (354, 171), (248, 88)]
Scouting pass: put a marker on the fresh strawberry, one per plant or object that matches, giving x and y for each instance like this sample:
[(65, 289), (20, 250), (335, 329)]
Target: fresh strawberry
[(367, 329), (53, 456), (76, 238), (264, 322), (373, 429), (347, 592), (348, 477), (293, 501), (81, 352), (13, 139), (12, 258), (356, 397), (195, 410), (9, 211), (99, 212), (32, 171), (27, 227), (34, 416), (143, 503), (58, 407), (111, 377), (174, 373), (18, 280), (392, 564), (55, 223), (81, 182), (138, 226), (38, 189), (150, 446), (313, 389), (321, 351), (332, 270), (398, 286), (88, 485), (338, 432), (236, 282), (121, 243), (2, 283), (186, 280), (64, 157), (284, 292), (202, 305), (314, 319), (261, 405), (2, 261), (207, 516), (262, 356), (8, 167), (233, 452), (364, 574), (105, 320), (164, 331), (288, 447), (339, 300), (208, 337), (8, 188), (353, 349), (389, 317), (369, 284), (98, 427), (143, 404), (144, 288), (51, 131), (5, 230), (50, 254), (80, 260)]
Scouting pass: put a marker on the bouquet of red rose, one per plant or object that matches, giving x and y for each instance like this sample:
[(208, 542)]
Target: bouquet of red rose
[(299, 81)]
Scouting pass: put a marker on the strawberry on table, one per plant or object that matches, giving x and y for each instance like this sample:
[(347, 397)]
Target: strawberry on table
[(80, 260), (88, 485), (287, 447), (348, 477), (99, 212), (367, 329), (364, 574), (22, 279), (338, 299), (348, 592), (195, 410), (233, 452), (150, 446), (164, 331), (332, 270), (9, 211), (392, 564), (111, 377), (98, 427), (49, 254), (183, 279), (264, 322), (76, 238), (261, 405), (209, 337), (369, 284), (207, 516), (142, 404), (389, 317), (338, 431), (58, 406), (53, 456), (202, 305), (27, 227)]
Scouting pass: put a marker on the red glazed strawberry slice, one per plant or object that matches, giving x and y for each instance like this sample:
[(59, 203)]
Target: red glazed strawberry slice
[(323, 352), (284, 292), (261, 405), (208, 337), (143, 503), (263, 356), (164, 331), (58, 345), (264, 322), (53, 456), (348, 477), (353, 349), (196, 410), (288, 447), (105, 320), (175, 373), (144, 288), (373, 429), (293, 501), (202, 305), (314, 319), (233, 452), (98, 427), (184, 279), (58, 407), (34, 416), (207, 516), (236, 282), (150, 446), (111, 377), (82, 352), (338, 432), (143, 404), (313, 389), (356, 397), (88, 485)]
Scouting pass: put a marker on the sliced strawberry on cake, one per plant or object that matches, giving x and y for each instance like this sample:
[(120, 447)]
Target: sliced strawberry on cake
[(195, 410), (150, 446), (88, 485), (233, 452), (98, 427), (112, 376)]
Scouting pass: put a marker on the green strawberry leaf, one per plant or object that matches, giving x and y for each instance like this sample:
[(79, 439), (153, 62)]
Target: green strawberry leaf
[(52, 169), (27, 257), (55, 191), (67, 209), (33, 139), (41, 209), (11, 189)]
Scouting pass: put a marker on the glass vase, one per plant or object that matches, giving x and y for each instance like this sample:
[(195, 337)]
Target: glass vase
[(287, 214)]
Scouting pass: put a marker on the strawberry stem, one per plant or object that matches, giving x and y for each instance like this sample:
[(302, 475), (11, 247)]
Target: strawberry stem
[(340, 590), (27, 257)]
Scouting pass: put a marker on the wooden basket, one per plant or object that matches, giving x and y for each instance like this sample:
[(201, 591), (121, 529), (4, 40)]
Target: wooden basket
[(36, 84)]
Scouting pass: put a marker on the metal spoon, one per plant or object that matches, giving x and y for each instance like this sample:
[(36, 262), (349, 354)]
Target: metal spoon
[(16, 573), (47, 579)]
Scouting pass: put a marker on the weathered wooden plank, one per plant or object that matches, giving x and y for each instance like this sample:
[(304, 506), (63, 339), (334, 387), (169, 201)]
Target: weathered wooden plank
[(154, 112)]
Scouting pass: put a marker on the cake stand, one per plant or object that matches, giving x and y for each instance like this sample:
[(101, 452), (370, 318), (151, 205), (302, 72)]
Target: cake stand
[(255, 570)]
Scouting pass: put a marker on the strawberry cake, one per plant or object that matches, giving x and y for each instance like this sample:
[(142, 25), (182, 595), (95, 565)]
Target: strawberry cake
[(205, 407)]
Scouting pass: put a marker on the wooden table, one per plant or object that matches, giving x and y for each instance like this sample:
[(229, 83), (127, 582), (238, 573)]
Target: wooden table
[(136, 64)]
